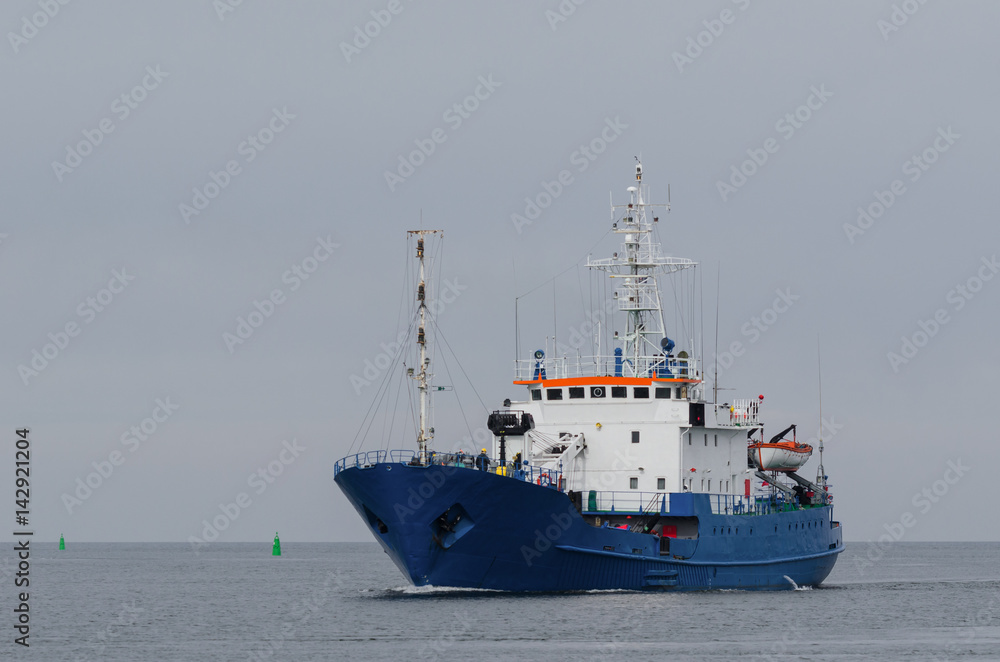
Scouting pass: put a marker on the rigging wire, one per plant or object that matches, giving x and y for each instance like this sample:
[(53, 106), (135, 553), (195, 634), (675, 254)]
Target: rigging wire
[(369, 418), (575, 264), (462, 368), (461, 408)]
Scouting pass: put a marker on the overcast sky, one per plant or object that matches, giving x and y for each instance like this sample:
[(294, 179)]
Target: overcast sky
[(167, 165)]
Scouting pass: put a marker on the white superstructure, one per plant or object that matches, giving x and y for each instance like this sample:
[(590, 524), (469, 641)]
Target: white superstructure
[(636, 420)]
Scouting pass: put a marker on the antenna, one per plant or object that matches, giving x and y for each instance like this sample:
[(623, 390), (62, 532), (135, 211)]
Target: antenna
[(517, 324), (820, 471), (715, 380)]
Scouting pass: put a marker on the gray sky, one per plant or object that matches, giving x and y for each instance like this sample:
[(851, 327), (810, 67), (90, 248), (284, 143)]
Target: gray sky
[(884, 86)]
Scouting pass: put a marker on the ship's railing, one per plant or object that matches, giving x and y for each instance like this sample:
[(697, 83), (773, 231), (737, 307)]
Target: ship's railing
[(545, 477), (371, 458), (645, 503), (744, 412), (732, 504), (606, 366), (606, 501), (520, 471), (552, 478)]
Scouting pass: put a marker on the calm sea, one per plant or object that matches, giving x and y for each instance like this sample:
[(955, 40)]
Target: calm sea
[(915, 601)]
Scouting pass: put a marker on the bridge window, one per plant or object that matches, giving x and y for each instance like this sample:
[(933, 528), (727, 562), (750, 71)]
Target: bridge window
[(536, 394), (619, 392), (662, 394), (575, 392), (709, 484), (633, 483), (706, 436), (661, 484), (553, 394), (598, 391), (635, 436), (640, 392), (677, 393), (716, 441)]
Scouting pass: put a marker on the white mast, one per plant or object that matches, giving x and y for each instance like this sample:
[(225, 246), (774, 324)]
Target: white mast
[(422, 434), (637, 265)]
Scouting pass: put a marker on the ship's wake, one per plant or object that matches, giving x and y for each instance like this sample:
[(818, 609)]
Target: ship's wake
[(796, 587)]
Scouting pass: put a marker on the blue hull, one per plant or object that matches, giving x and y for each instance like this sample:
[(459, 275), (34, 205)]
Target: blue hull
[(450, 526)]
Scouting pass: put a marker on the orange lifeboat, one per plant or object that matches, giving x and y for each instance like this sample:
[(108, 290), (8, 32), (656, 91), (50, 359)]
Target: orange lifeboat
[(779, 454)]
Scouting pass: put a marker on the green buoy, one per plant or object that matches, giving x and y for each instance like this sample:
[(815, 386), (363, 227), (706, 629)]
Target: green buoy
[(62, 542), (276, 550)]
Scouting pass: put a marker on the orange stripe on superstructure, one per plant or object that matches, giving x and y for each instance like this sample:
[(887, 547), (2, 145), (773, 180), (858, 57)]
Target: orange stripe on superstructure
[(605, 381)]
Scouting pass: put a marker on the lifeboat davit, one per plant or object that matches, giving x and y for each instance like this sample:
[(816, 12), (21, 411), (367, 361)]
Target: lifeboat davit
[(780, 454)]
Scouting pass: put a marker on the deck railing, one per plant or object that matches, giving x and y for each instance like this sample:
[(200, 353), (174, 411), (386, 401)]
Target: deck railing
[(594, 501), (604, 501), (552, 478), (645, 503), (744, 412), (370, 458), (606, 366)]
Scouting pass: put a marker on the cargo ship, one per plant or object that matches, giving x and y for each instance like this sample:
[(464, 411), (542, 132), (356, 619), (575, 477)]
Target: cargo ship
[(611, 471)]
